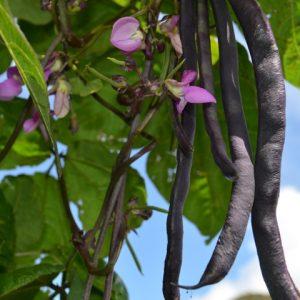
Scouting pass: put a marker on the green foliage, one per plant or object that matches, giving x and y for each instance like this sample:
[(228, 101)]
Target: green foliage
[(35, 236), (23, 278), (33, 14), (285, 21), (29, 149)]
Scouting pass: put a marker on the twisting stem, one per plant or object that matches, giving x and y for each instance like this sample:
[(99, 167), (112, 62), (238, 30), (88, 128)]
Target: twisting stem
[(212, 125), (184, 162), (109, 204)]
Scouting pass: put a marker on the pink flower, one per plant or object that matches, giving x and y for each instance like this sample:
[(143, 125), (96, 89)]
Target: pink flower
[(169, 27), (32, 123), (62, 99), (186, 93), (126, 35), (12, 86)]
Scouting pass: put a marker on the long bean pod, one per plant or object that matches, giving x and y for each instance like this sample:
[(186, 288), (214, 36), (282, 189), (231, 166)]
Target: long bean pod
[(212, 125), (242, 195), (184, 162), (270, 142)]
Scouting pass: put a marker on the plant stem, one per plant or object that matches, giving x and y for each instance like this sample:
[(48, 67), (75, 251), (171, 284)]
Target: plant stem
[(116, 240), (104, 78), (65, 27), (18, 128)]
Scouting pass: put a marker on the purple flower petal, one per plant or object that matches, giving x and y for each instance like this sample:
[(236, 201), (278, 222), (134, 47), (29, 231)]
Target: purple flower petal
[(195, 94), (61, 104), (125, 36), (12, 72), (31, 124), (9, 89), (47, 73), (180, 105), (188, 76)]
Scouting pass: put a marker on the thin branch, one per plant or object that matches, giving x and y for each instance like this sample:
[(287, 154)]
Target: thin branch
[(116, 240), (51, 49), (140, 153), (65, 27), (18, 128)]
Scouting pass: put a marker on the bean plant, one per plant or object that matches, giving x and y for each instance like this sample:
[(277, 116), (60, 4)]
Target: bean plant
[(90, 87)]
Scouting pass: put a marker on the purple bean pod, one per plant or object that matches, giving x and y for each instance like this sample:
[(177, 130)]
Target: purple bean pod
[(270, 142), (242, 195), (184, 162)]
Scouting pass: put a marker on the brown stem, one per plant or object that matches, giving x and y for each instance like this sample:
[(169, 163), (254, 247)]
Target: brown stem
[(65, 27), (19, 125), (117, 240)]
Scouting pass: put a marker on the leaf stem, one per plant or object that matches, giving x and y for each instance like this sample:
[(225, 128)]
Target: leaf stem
[(104, 78)]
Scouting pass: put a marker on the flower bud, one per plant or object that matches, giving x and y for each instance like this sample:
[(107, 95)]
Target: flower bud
[(62, 98)]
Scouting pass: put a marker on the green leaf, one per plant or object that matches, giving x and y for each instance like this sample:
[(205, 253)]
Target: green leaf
[(40, 37), (95, 123), (5, 59), (7, 234), (119, 291), (38, 275), (87, 170), (84, 90), (30, 10), (28, 149), (285, 21), (40, 221), (28, 65), (29, 293)]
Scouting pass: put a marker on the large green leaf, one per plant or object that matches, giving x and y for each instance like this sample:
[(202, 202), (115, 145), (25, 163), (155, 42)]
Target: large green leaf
[(38, 275), (87, 169), (40, 221)]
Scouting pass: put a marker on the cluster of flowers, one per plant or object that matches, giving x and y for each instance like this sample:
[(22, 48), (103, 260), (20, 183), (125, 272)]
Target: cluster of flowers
[(127, 36), (12, 87)]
